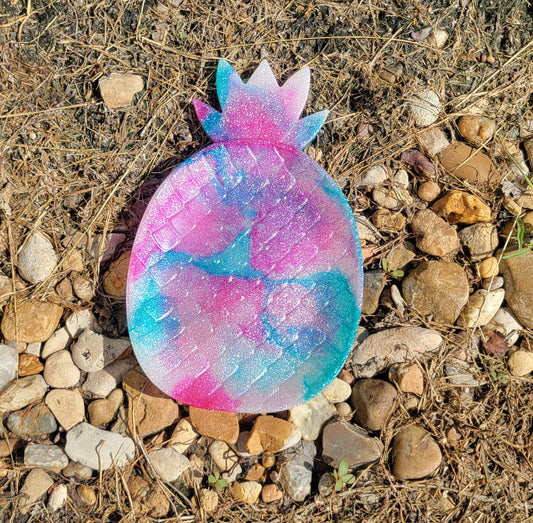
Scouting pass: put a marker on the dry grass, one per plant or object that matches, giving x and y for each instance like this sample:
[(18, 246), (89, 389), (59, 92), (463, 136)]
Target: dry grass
[(73, 168)]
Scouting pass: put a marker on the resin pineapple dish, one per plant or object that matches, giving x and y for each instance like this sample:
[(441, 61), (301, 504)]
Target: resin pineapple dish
[(245, 280)]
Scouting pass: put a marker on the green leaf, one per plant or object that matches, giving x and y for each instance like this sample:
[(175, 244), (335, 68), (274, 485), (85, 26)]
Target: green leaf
[(211, 479), (343, 468), (349, 479), (520, 230), (397, 274), (339, 485), (384, 264)]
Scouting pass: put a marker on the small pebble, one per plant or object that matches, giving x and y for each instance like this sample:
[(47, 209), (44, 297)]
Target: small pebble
[(44, 456), (57, 498), (247, 491), (168, 463), (462, 207), (408, 377), (337, 391), (520, 363), (271, 493), (114, 280), (256, 473), (492, 283), (476, 129), (434, 140), (208, 500), (343, 409), (376, 175), (326, 484), (183, 436), (268, 461), (425, 107), (56, 342), (37, 258), (82, 287), (222, 455), (87, 495), (373, 402), (36, 484), (118, 89), (67, 406), (28, 365), (488, 268), (60, 371), (429, 191), (8, 365)]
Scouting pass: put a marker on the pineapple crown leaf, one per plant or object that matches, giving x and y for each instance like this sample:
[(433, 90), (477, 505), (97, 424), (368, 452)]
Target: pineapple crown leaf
[(260, 109)]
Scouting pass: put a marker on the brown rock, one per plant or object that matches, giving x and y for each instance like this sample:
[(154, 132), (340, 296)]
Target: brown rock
[(9, 445), (118, 89), (480, 240), (215, 424), (518, 283), (271, 493), (428, 191), (29, 365), (36, 321), (418, 162), (373, 402), (87, 495), (67, 406), (373, 285), (433, 235), (148, 408), (255, 473), (408, 377), (415, 454), (400, 255), (476, 129), (437, 288), (470, 164), (386, 220), (208, 500), (461, 207), (434, 140), (270, 435), (114, 280), (247, 492)]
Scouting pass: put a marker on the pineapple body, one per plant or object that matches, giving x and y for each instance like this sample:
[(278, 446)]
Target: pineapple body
[(244, 287)]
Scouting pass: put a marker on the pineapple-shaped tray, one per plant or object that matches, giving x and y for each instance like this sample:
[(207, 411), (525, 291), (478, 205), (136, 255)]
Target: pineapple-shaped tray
[(245, 281)]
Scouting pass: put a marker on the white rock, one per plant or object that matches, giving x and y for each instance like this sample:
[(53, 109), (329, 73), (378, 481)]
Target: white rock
[(37, 258), (520, 363), (222, 455), (311, 416), (79, 321), (434, 140), (389, 346), (34, 348), (481, 308), (8, 365), (67, 406), (366, 230), (338, 390), (101, 383), (392, 198), (425, 107), (505, 322), (242, 451), (60, 371), (168, 463), (92, 351), (23, 392), (57, 498), (183, 436), (82, 287), (438, 38), (45, 456), (376, 175), (86, 443), (297, 472), (58, 341), (36, 484), (401, 178)]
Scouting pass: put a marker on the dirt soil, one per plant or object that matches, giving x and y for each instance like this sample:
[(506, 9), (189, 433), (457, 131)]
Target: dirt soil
[(74, 169)]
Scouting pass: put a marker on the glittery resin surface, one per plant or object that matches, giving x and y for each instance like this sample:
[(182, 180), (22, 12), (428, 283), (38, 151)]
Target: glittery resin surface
[(245, 281)]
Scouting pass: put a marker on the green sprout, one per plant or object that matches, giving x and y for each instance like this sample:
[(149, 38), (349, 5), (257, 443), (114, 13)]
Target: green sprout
[(520, 232), (219, 482), (498, 376), (342, 478), (398, 274)]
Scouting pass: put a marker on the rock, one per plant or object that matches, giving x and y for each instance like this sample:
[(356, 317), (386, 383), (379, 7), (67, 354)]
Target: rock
[(93, 351), (469, 164), (311, 416), (438, 38), (373, 402), (433, 140), (28, 365), (458, 372), (343, 441), (366, 231), (433, 235), (505, 322), (363, 131), (118, 89), (36, 320), (9, 445), (22, 393), (525, 200), (393, 198), (150, 409), (462, 207), (37, 258), (114, 280), (32, 422), (493, 283), (255, 473), (86, 495), (415, 454), (373, 285), (183, 436), (297, 472), (102, 411), (344, 410), (215, 424), (57, 341), (223, 456), (83, 287), (80, 321), (397, 345), (481, 308), (408, 377), (376, 175), (346, 375), (85, 442), (168, 464), (247, 492), (488, 268), (233, 474), (208, 500), (60, 371), (437, 288), (8, 365), (326, 484), (495, 344), (78, 471), (102, 382), (57, 498), (520, 363), (271, 435), (271, 493), (428, 191), (400, 256), (67, 406), (34, 349), (418, 162), (518, 284), (45, 456), (36, 484), (386, 220), (338, 390), (425, 107), (477, 130)]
